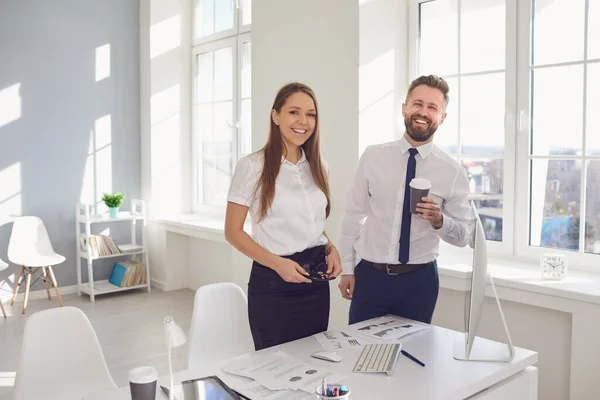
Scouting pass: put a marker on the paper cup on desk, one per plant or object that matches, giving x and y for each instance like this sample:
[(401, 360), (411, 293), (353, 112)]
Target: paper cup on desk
[(323, 396), (418, 188), (142, 383)]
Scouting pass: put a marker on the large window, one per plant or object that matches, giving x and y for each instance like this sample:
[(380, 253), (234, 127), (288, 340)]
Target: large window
[(521, 114), (221, 96)]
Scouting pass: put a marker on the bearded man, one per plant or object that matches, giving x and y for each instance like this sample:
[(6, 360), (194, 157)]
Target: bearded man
[(389, 255)]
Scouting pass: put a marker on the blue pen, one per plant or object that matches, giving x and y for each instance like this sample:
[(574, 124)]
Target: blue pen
[(407, 354)]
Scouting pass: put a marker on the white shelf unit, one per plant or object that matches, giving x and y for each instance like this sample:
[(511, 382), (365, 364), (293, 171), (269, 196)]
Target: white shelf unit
[(84, 219)]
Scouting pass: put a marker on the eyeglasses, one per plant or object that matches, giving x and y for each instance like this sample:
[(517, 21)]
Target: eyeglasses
[(318, 272)]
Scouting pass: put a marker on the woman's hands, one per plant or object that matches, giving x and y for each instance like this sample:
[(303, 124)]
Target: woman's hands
[(290, 271), (334, 264)]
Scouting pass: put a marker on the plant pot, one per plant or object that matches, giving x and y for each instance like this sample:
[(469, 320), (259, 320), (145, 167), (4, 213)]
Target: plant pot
[(113, 212)]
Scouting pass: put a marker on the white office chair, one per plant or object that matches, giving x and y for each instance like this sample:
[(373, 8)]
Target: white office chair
[(30, 247), (220, 329), (60, 358), (3, 266)]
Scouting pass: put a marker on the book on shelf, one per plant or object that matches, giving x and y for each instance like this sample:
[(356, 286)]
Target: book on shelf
[(102, 245), (128, 273)]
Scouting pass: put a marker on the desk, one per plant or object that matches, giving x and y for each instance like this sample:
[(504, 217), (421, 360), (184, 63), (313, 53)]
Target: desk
[(441, 378)]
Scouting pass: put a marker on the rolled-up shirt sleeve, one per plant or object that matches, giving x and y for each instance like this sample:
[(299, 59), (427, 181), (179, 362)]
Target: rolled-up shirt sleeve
[(458, 227), (355, 212)]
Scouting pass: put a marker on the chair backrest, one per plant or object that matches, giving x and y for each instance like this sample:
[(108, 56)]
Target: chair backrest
[(29, 241), (60, 358), (220, 327)]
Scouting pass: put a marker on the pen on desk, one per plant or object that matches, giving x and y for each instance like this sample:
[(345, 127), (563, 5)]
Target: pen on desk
[(407, 354), (323, 388)]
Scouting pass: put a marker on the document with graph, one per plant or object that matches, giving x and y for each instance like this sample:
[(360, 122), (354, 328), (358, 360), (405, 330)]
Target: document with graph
[(389, 327), (344, 339)]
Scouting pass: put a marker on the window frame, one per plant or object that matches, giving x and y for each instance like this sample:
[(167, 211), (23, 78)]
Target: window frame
[(233, 38), (517, 121)]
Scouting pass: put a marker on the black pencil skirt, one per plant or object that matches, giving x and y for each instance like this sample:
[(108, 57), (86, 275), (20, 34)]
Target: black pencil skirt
[(280, 311)]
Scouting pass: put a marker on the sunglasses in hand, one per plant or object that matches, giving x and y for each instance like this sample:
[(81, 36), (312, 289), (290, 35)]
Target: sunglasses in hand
[(318, 272)]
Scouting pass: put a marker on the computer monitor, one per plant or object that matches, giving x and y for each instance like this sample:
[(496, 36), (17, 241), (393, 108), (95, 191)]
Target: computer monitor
[(474, 302)]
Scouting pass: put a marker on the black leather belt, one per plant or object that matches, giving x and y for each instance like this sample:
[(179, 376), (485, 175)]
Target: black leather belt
[(396, 269)]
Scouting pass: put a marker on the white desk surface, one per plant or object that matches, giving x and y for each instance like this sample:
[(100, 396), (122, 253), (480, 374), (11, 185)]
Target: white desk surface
[(443, 377)]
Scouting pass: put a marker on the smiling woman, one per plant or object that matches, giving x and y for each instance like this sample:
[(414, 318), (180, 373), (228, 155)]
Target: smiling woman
[(285, 189)]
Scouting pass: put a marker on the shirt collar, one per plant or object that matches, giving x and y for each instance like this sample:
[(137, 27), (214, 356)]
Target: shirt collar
[(301, 160), (424, 149)]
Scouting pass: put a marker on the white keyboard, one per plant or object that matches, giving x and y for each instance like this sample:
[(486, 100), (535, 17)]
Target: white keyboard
[(378, 358)]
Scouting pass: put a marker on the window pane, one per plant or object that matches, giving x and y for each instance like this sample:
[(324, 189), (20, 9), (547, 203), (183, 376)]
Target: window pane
[(482, 114), (204, 18), (216, 177), (558, 31), (224, 74), (491, 213), (246, 11), (204, 77), (592, 212), (593, 105), (594, 30), (205, 127), (246, 127), (555, 203), (557, 110), (446, 137), (223, 128), (439, 37), (486, 188), (482, 19), (246, 70), (224, 10)]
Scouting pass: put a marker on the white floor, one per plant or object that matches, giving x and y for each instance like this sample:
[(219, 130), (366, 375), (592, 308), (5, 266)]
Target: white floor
[(128, 324)]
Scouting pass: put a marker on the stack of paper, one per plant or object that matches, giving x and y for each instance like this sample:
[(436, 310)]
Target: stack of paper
[(278, 374)]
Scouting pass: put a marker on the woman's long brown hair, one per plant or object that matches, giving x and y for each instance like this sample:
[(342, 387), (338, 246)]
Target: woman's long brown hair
[(275, 148)]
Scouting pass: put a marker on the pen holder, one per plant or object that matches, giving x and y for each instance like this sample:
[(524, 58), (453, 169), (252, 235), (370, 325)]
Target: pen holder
[(322, 396)]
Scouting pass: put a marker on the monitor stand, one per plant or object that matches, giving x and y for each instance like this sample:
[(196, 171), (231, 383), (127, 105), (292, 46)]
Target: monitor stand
[(486, 350)]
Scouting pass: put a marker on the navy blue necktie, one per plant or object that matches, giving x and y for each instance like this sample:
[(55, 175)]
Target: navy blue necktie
[(411, 168)]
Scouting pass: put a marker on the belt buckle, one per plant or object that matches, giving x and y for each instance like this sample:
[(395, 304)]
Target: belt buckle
[(387, 267)]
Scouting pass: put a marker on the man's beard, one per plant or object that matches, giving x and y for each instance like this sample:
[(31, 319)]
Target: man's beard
[(418, 132)]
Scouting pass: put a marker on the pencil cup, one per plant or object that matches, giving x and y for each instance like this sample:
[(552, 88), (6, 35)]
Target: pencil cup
[(322, 396)]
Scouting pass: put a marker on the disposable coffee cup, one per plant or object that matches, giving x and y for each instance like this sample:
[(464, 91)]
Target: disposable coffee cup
[(323, 396), (142, 383), (418, 188)]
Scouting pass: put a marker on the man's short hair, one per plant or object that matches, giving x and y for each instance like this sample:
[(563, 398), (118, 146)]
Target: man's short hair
[(433, 81)]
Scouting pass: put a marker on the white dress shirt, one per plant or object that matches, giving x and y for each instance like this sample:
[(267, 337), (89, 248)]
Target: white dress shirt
[(373, 214), (296, 220)]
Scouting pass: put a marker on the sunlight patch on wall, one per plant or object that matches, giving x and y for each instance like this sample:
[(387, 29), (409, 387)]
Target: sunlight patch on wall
[(165, 104), (102, 62), (10, 104), (10, 191), (165, 36), (7, 379), (165, 148), (97, 177), (376, 79)]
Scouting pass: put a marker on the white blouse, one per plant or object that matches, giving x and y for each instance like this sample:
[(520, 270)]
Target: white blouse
[(296, 220)]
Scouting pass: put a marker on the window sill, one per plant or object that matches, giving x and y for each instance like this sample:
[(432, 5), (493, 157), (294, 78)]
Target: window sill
[(200, 226), (454, 270)]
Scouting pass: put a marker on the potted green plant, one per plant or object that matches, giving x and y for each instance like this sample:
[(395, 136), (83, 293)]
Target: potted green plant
[(113, 202)]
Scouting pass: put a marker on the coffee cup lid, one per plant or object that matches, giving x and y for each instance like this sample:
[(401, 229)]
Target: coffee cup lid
[(143, 375), (420, 183)]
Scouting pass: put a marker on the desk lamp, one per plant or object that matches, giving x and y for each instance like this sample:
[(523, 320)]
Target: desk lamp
[(175, 338)]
